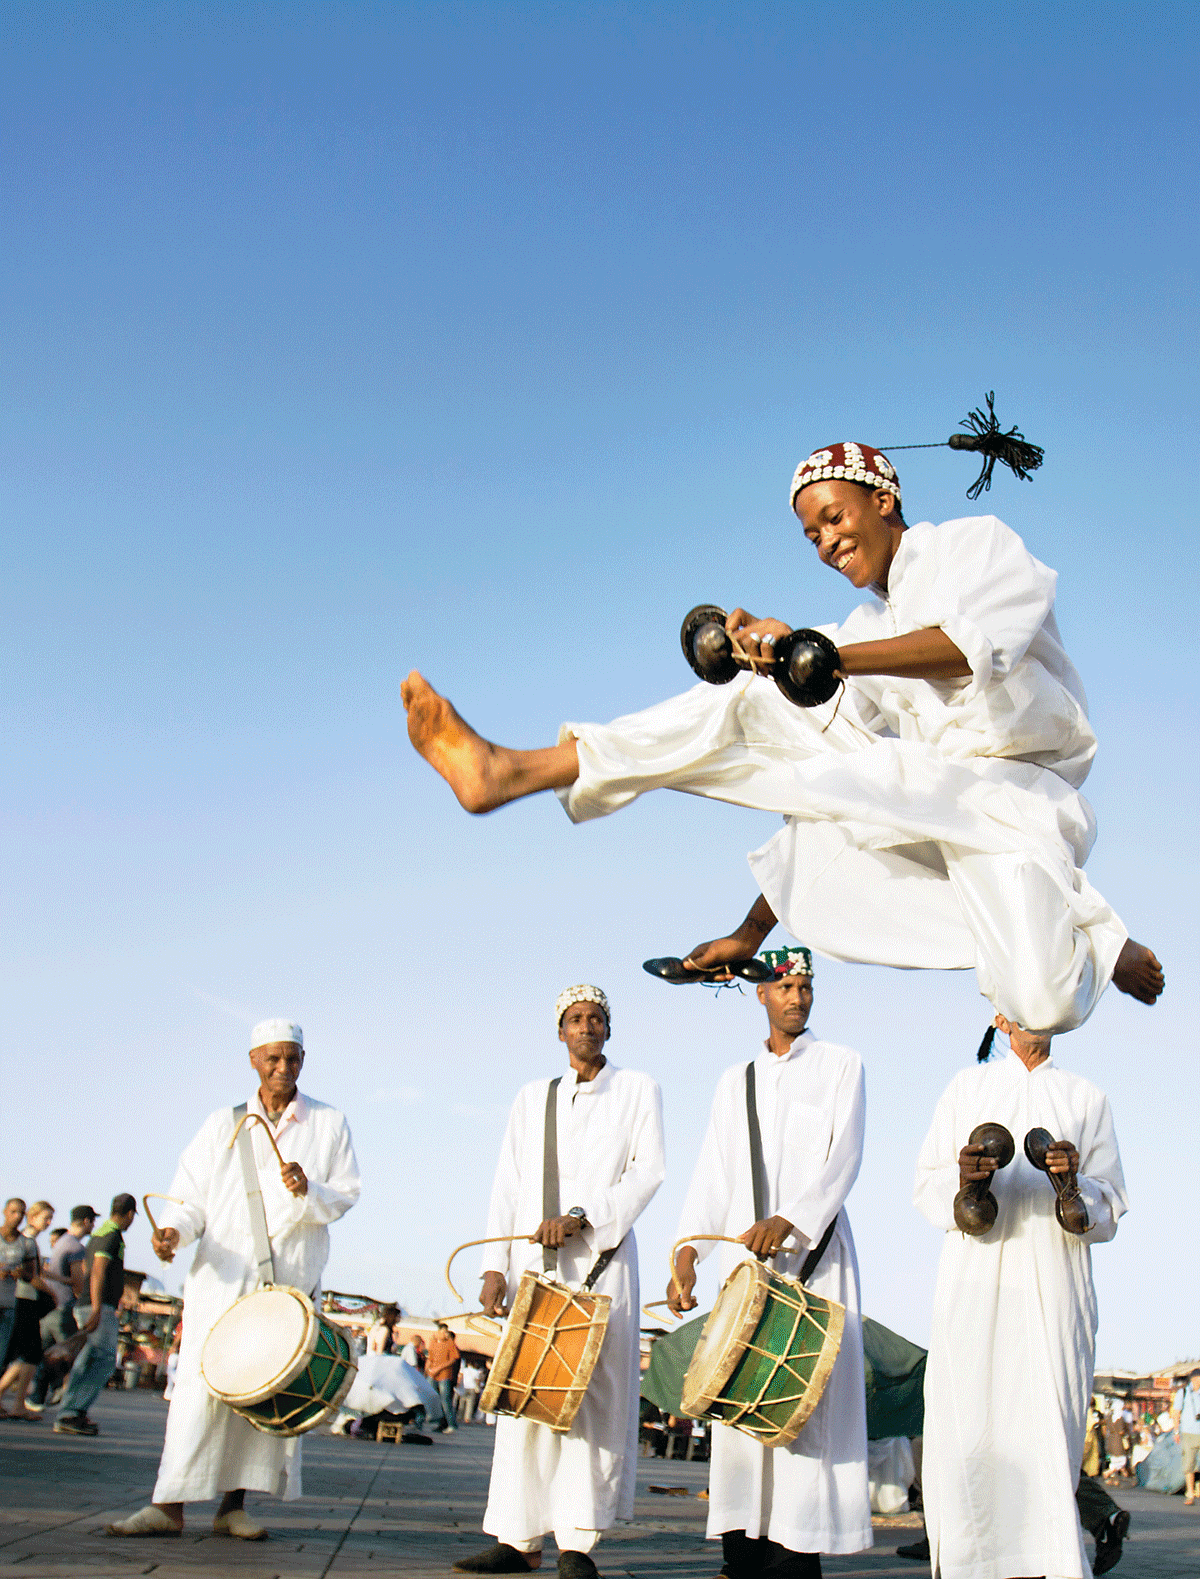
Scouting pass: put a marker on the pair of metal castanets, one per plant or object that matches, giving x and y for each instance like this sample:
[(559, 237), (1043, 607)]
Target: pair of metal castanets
[(975, 1206), (804, 664)]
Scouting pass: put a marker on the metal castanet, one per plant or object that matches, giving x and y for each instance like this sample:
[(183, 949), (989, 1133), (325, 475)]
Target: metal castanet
[(804, 664), (975, 1206), (1069, 1206)]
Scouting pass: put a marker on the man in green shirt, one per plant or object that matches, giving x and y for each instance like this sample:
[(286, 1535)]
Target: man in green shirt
[(97, 1316)]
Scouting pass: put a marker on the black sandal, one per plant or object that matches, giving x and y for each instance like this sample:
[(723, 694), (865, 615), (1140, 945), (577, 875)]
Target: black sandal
[(672, 969)]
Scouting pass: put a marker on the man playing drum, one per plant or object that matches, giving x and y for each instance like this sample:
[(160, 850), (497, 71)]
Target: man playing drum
[(1008, 1382), (933, 811), (776, 1509), (603, 1162), (209, 1450)]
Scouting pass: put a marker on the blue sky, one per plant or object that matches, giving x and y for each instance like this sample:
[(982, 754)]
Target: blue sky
[(343, 338)]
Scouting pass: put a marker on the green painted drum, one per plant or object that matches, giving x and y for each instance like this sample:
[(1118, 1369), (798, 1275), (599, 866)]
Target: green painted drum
[(764, 1356), (276, 1361)]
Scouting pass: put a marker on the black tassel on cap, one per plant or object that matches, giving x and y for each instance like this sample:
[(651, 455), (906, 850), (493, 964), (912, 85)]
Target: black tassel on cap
[(1011, 449), (985, 1047)]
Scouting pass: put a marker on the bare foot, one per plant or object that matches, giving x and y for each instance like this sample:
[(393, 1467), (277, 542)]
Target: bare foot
[(1138, 972), (465, 760)]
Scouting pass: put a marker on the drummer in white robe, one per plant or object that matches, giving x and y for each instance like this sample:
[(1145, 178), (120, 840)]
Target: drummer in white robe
[(209, 1450), (610, 1162), (1008, 1381), (933, 811), (775, 1509)]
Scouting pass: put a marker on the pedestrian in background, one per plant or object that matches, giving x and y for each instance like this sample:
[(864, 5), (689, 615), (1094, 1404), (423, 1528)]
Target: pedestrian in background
[(33, 1300), (104, 1263), (441, 1367), (65, 1277)]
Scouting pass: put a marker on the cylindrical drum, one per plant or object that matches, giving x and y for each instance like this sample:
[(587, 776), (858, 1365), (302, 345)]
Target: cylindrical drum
[(764, 1355), (547, 1353), (276, 1361)]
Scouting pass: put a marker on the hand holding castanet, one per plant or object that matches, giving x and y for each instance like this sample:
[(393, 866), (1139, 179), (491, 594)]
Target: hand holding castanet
[(1060, 1161), (989, 1147)]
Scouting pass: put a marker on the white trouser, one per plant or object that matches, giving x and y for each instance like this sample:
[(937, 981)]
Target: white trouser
[(892, 852), (567, 1540)]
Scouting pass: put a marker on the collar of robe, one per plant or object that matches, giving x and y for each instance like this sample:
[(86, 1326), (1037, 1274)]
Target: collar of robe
[(801, 1042), (583, 1088)]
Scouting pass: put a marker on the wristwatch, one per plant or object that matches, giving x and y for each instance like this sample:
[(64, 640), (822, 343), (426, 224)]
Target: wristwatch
[(579, 1213)]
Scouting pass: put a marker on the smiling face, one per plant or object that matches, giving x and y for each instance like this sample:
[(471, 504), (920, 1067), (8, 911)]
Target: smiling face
[(855, 530), (584, 1028), (788, 1003), (278, 1066)]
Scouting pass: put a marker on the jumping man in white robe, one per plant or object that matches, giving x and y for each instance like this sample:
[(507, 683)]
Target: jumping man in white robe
[(776, 1509), (609, 1152), (933, 810), (209, 1450), (1008, 1381)]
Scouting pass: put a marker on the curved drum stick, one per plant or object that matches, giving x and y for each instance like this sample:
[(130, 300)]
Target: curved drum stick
[(253, 1118), (155, 1196), (496, 1239), (725, 1239)]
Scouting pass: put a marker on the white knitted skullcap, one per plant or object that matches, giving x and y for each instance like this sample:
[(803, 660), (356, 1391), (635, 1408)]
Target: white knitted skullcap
[(267, 1031), (581, 994)]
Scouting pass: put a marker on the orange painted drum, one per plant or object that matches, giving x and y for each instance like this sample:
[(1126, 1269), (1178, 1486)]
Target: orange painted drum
[(548, 1351), (764, 1355)]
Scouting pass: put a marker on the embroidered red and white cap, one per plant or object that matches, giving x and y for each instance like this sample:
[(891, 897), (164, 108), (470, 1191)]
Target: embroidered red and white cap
[(849, 462)]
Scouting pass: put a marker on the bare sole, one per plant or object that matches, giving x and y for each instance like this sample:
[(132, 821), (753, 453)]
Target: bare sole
[(451, 747), (1138, 973)]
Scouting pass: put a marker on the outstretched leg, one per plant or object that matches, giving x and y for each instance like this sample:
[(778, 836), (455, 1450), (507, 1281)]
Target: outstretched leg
[(1138, 972), (482, 775)]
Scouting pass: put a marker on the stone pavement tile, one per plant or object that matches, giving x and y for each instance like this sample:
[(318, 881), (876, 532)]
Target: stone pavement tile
[(399, 1510)]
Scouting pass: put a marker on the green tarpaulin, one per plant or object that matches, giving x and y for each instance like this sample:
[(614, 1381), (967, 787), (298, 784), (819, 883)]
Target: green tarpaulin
[(894, 1376)]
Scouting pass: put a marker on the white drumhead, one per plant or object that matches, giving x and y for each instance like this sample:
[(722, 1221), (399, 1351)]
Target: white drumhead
[(729, 1313), (259, 1344)]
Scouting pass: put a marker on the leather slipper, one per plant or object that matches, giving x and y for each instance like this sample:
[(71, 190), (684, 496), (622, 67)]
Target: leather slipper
[(498, 1559), (672, 969)]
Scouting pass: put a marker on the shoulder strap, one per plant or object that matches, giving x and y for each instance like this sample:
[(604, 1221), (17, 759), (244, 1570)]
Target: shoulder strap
[(758, 1176), (258, 1217), (550, 1169), (817, 1251), (757, 1169)]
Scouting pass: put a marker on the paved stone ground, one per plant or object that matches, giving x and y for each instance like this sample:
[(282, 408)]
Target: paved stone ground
[(382, 1509)]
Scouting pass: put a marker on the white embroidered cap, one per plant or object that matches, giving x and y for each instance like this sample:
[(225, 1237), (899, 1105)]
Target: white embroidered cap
[(581, 994), (276, 1031)]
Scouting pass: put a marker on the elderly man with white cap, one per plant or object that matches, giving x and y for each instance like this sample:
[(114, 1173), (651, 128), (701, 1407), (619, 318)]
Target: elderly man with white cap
[(582, 1156), (209, 1450)]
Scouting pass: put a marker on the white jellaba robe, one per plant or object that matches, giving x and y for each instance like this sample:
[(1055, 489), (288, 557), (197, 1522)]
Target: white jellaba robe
[(610, 1161), (209, 1449), (1009, 1375), (810, 1496), (929, 824)]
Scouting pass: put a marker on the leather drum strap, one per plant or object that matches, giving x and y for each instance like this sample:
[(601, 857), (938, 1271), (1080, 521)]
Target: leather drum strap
[(258, 1217), (758, 1176), (757, 1168), (550, 1170)]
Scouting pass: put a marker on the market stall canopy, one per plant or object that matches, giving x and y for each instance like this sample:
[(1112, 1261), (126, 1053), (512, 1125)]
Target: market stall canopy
[(894, 1376)]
